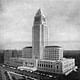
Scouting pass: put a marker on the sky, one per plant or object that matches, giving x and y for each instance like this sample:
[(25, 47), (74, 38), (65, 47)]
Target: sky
[(16, 21)]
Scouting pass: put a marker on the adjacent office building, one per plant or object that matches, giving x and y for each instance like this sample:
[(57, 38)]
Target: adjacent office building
[(26, 62)]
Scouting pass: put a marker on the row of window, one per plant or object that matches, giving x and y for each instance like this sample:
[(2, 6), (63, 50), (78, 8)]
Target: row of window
[(17, 62), (53, 52), (28, 63), (49, 66), (45, 65), (67, 65), (55, 49), (54, 58), (51, 70)]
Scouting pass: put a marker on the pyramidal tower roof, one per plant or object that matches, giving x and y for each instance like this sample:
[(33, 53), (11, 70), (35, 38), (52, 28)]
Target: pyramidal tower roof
[(40, 13)]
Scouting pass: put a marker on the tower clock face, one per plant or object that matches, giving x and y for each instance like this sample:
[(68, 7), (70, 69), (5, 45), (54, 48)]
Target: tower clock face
[(37, 19)]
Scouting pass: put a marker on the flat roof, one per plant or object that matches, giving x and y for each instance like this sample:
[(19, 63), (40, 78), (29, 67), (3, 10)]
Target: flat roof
[(27, 47), (62, 60), (24, 59), (54, 46)]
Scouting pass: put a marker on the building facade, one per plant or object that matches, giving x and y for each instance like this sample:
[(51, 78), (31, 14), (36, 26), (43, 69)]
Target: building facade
[(39, 35), (53, 66), (26, 62), (27, 52), (67, 64), (11, 53), (53, 53), (7, 55)]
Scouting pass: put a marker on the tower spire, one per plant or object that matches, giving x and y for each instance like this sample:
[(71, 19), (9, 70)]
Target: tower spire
[(39, 13)]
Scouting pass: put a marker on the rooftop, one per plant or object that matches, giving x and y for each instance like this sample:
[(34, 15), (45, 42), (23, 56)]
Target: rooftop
[(54, 46), (62, 60), (27, 47)]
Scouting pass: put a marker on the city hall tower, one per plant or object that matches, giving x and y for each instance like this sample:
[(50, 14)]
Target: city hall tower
[(39, 35)]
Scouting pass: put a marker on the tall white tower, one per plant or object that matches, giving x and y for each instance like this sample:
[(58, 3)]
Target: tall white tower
[(39, 35)]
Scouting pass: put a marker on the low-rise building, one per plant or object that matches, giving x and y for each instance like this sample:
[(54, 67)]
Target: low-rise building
[(12, 54), (16, 62), (27, 52), (53, 66), (7, 55), (53, 53)]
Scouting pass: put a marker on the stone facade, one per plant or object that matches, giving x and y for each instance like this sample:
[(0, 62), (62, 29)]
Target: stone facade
[(53, 53), (39, 32)]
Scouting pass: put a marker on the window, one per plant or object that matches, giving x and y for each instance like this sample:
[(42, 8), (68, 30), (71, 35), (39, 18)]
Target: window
[(25, 62), (31, 63), (49, 65), (37, 19), (42, 65), (38, 64), (44, 19), (46, 65), (57, 66)]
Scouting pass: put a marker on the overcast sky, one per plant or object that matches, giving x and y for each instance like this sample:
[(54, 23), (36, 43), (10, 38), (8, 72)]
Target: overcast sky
[(63, 21)]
